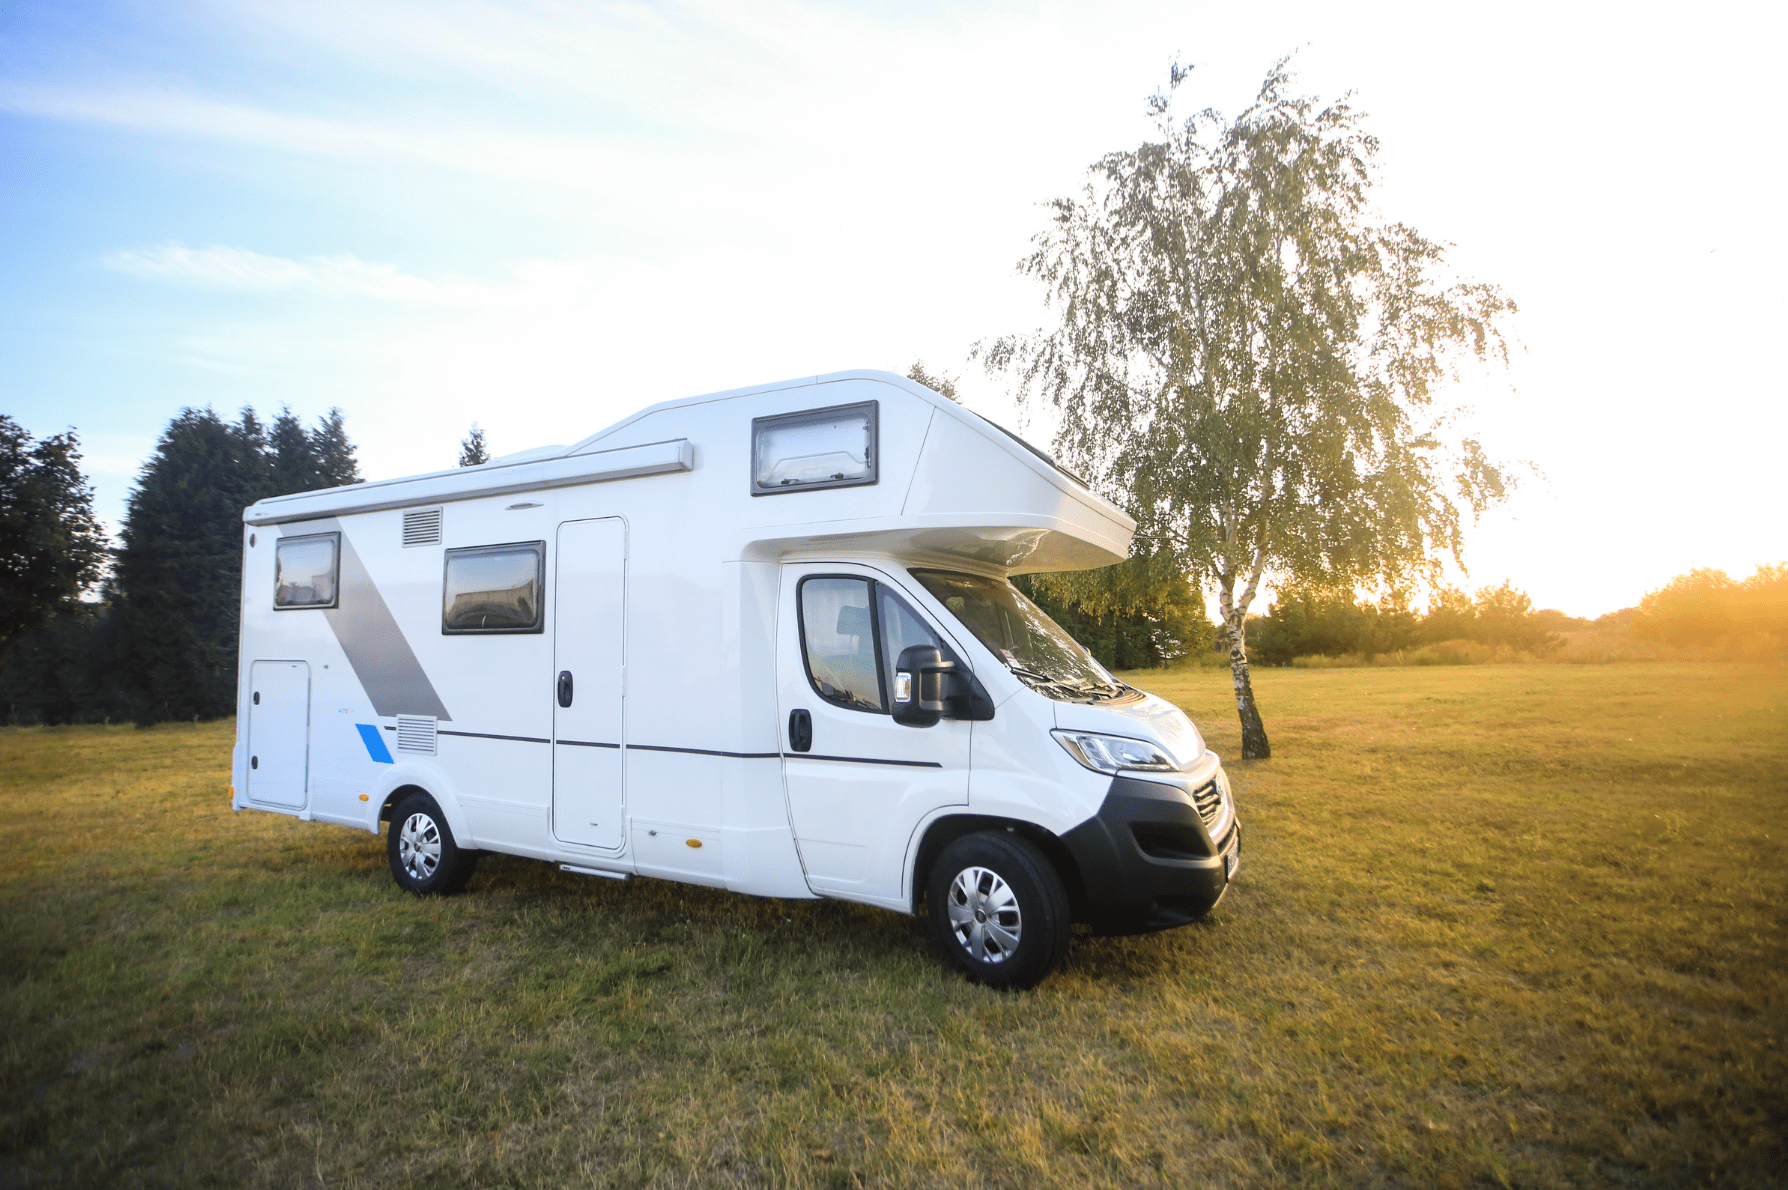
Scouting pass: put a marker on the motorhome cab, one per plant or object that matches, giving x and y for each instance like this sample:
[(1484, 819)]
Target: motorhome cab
[(761, 640)]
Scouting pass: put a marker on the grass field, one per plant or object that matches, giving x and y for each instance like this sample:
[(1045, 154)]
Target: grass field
[(1516, 925)]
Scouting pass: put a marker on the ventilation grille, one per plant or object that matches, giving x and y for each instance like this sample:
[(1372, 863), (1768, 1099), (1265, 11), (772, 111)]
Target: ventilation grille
[(422, 527), (416, 734), (1206, 797)]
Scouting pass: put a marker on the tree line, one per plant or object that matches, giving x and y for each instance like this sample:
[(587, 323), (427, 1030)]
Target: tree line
[(1335, 624), (1710, 610), (157, 639)]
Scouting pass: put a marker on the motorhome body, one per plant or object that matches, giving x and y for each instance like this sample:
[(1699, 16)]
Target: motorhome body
[(760, 640)]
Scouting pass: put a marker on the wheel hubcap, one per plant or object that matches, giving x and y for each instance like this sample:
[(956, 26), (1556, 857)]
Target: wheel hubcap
[(419, 846), (984, 915)]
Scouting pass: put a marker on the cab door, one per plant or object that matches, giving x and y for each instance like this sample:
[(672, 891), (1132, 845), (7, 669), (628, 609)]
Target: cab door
[(857, 782)]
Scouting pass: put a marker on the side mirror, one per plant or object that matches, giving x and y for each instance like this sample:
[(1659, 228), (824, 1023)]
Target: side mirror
[(919, 685)]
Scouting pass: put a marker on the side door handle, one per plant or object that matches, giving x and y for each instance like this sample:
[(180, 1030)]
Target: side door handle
[(564, 687), (800, 730)]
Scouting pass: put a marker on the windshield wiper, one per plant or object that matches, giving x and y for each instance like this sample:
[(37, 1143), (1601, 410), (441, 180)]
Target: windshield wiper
[(1025, 671), (1092, 690)]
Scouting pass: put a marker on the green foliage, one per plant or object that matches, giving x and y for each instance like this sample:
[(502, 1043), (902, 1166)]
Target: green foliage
[(50, 545), (164, 646), (943, 386), (1708, 608), (1249, 360), (70, 670), (472, 450), (300, 460), (1306, 623), (1311, 623), (180, 568), (1139, 614)]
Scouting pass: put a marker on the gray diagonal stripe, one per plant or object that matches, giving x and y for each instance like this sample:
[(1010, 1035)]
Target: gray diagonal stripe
[(368, 633)]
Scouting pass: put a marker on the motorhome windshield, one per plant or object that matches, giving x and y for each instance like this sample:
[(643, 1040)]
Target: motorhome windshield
[(1033, 646)]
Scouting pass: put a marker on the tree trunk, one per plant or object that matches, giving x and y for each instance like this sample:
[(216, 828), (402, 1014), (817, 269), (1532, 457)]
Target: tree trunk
[(1254, 736)]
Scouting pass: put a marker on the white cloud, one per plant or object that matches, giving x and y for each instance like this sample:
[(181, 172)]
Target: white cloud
[(326, 276)]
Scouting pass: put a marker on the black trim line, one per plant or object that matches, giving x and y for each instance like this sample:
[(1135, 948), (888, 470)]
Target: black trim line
[(703, 752), (913, 764), (528, 739)]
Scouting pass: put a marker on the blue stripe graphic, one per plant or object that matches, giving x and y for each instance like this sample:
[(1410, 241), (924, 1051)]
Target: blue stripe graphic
[(375, 745)]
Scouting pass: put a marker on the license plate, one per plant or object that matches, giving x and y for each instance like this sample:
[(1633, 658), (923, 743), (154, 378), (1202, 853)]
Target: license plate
[(1231, 862)]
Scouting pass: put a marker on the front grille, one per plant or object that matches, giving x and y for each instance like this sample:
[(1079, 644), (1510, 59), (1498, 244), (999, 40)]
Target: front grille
[(1209, 800)]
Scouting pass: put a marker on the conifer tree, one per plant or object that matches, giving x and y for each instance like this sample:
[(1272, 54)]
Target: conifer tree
[(50, 544), (472, 450), (179, 571)]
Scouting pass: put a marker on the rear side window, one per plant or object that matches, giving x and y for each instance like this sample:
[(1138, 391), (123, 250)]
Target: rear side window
[(493, 589), (307, 570)]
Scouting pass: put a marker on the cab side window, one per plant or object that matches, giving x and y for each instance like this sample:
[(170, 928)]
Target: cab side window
[(839, 642)]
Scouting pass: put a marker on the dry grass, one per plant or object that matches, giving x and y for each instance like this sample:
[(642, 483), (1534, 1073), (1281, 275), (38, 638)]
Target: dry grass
[(1497, 925)]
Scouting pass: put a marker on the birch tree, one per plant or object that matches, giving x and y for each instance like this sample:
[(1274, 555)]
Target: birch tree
[(1253, 363)]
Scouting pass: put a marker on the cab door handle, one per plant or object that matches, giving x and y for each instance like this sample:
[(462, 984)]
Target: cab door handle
[(800, 730), (564, 687)]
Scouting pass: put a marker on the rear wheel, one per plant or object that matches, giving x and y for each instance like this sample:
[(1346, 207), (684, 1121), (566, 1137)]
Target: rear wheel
[(998, 910), (424, 856)]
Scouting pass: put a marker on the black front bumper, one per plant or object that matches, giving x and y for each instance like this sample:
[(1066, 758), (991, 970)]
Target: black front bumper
[(1147, 860)]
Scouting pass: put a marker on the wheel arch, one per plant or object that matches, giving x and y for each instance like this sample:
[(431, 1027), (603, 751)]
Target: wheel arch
[(411, 777), (388, 807), (944, 831)]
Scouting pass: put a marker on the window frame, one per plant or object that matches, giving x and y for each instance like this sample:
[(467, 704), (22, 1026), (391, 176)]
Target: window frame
[(875, 449), (334, 535), (507, 547), (878, 587)]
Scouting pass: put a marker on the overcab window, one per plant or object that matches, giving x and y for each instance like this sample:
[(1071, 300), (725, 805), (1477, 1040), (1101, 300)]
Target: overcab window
[(306, 570), (817, 448), (494, 589)]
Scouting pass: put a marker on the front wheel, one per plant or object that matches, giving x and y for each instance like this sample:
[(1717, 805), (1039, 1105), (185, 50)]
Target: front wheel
[(998, 910), (425, 859)]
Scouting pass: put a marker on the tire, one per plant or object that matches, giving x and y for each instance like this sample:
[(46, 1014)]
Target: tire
[(425, 859), (998, 910)]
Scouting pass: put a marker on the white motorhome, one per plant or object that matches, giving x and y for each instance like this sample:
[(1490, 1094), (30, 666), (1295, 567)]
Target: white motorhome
[(761, 640)]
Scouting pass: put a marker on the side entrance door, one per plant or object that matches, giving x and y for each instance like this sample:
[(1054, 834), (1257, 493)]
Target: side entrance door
[(278, 733), (857, 782), (588, 683)]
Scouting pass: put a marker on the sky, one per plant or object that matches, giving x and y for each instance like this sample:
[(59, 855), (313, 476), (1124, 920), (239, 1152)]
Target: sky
[(543, 216)]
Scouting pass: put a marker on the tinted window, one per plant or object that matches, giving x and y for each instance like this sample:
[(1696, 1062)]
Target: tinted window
[(494, 588), (306, 570), (838, 637)]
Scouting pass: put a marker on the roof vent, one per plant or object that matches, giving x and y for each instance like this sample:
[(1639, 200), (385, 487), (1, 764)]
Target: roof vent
[(422, 527), (416, 733)]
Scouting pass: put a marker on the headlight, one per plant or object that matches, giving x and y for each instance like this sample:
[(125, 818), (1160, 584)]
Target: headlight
[(1111, 753)]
